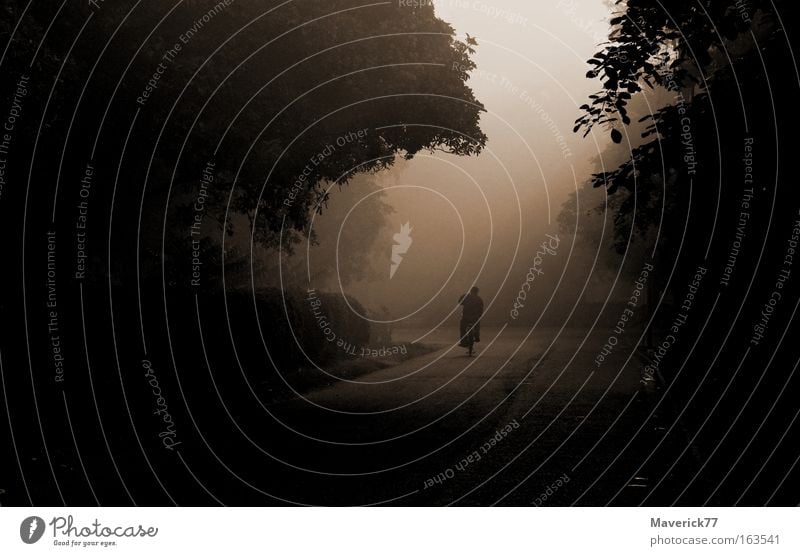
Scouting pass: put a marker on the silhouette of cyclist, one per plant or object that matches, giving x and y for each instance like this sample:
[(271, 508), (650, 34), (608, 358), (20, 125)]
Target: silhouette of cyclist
[(471, 316)]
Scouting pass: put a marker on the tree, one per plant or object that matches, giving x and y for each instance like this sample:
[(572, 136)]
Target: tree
[(702, 55), (283, 97), (710, 188), (670, 44)]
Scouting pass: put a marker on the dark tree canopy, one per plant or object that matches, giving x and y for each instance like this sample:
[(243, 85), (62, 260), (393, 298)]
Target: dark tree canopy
[(716, 60), (669, 43), (282, 97)]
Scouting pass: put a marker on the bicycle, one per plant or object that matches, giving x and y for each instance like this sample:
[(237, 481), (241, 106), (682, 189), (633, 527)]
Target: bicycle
[(470, 337)]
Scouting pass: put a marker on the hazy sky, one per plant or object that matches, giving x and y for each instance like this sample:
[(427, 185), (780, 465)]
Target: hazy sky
[(479, 219), (531, 62)]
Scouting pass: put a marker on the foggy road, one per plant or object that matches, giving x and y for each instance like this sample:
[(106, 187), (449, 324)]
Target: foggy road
[(502, 427)]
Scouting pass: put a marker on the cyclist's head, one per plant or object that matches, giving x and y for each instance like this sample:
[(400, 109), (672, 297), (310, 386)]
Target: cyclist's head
[(474, 290)]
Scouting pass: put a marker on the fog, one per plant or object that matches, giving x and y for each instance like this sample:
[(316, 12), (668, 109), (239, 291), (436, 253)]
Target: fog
[(481, 220)]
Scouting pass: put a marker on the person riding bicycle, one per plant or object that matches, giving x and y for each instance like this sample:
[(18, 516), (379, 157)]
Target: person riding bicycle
[(471, 316)]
